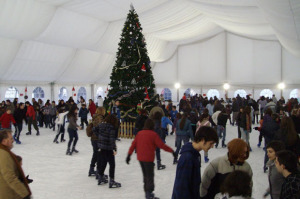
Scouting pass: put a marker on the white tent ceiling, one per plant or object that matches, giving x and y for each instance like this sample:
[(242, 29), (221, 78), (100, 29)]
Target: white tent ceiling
[(76, 40)]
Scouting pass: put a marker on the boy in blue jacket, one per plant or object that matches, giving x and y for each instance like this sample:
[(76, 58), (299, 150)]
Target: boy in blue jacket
[(188, 179), (83, 114)]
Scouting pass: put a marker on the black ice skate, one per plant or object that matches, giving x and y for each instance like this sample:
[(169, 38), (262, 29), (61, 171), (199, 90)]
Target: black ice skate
[(92, 172), (74, 150), (68, 152), (28, 133), (160, 166), (114, 184), (102, 180)]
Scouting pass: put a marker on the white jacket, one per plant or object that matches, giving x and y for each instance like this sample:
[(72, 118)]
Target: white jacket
[(61, 117)]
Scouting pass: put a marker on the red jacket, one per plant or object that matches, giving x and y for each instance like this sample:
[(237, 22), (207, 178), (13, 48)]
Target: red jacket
[(145, 144), (30, 112), (92, 108), (6, 119)]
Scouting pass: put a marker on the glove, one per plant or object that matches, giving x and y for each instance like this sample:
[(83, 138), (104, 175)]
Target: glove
[(128, 159), (28, 179)]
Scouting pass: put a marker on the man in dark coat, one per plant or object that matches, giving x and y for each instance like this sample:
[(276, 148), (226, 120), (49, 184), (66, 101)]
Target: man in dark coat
[(187, 180)]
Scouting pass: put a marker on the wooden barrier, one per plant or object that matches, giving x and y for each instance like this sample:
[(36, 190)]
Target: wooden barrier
[(126, 130)]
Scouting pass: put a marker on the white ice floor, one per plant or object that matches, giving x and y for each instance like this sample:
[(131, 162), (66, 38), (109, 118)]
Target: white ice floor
[(58, 176)]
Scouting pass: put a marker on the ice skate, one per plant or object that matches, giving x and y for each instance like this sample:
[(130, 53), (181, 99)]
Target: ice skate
[(68, 152), (102, 180), (28, 133), (114, 184), (92, 172)]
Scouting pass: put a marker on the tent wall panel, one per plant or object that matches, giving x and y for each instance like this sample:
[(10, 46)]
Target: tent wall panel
[(202, 63)]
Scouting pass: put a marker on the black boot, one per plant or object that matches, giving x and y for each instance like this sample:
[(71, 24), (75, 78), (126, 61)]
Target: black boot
[(55, 141), (102, 180), (150, 195), (92, 171), (223, 144), (28, 133), (113, 183), (160, 166), (74, 150), (37, 133), (68, 152)]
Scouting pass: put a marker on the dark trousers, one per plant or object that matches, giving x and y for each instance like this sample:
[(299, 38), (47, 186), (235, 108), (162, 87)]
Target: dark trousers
[(47, 119), (52, 121), (148, 175), (73, 135), (95, 151), (106, 156), (33, 122), (19, 128), (83, 120), (60, 131)]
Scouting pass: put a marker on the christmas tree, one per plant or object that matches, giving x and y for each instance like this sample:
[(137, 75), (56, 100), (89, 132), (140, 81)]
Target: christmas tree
[(132, 82)]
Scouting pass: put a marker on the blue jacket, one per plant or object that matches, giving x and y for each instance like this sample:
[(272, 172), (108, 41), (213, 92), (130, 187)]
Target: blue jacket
[(165, 121), (173, 114), (83, 112), (188, 179), (187, 128)]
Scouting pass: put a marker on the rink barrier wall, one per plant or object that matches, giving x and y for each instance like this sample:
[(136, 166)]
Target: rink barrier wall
[(126, 130)]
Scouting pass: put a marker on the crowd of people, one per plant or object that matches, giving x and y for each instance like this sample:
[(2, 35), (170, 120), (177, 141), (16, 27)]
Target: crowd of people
[(197, 122)]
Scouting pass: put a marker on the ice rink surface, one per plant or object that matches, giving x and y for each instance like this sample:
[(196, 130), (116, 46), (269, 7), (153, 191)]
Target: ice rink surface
[(58, 176)]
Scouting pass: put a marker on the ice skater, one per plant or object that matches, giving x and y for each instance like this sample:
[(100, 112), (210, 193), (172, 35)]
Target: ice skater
[(60, 121), (72, 130)]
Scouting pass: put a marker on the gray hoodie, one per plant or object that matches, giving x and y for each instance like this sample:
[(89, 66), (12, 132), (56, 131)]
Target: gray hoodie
[(276, 180)]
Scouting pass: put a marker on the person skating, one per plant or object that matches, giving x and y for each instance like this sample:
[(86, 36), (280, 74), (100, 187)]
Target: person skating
[(215, 173), (287, 164), (145, 144), (31, 118), (83, 114), (60, 121), (6, 119), (19, 115), (188, 177), (107, 149), (72, 130)]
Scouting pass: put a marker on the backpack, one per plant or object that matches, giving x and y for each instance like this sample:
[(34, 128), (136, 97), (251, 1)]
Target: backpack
[(89, 130)]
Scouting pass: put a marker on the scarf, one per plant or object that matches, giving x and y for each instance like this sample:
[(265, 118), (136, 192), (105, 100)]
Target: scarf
[(23, 178)]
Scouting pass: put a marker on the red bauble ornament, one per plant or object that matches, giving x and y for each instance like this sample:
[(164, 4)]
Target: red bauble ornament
[(143, 68), (137, 24), (146, 90), (73, 89)]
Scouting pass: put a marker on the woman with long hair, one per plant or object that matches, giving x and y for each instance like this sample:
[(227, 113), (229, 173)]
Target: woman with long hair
[(72, 130), (183, 133), (288, 135), (246, 125), (98, 118), (107, 149)]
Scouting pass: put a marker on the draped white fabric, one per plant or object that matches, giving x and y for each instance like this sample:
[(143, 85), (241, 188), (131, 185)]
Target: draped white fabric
[(51, 40)]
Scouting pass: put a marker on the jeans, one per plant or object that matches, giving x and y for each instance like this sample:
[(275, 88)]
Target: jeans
[(19, 129), (106, 156), (179, 139), (73, 135), (221, 130), (245, 136)]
